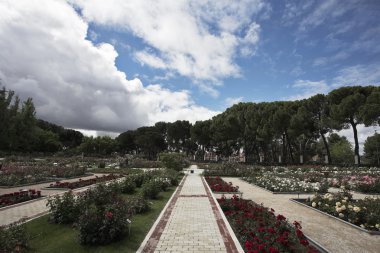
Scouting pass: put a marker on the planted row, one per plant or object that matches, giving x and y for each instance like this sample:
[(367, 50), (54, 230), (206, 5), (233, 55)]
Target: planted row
[(363, 212), (217, 184), (81, 183), (18, 197), (259, 230), (102, 214)]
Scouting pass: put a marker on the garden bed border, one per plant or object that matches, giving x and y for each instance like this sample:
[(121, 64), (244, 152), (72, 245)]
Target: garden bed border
[(336, 218)]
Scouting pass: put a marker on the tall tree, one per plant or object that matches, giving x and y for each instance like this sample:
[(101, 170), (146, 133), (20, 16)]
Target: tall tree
[(349, 107)]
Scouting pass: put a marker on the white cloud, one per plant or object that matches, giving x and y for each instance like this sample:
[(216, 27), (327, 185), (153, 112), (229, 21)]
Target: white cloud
[(73, 82), (322, 61), (358, 75), (307, 88), (363, 133), (196, 39), (233, 100)]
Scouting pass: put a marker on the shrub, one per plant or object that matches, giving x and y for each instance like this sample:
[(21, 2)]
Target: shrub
[(174, 161), (104, 225), (63, 209), (138, 179), (151, 189), (13, 238), (128, 185), (138, 204)]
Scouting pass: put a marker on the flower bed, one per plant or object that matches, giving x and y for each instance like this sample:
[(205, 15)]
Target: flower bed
[(364, 184), (219, 185), (364, 213), (13, 174), (274, 183), (82, 183), (18, 197), (259, 230)]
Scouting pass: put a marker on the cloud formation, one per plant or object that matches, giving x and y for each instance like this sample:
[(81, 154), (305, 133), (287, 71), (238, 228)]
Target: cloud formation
[(195, 39), (73, 82)]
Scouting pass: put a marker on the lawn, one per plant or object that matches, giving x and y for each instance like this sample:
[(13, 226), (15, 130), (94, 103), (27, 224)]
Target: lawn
[(47, 237)]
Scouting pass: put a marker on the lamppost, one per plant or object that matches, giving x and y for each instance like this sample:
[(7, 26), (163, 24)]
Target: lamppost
[(377, 148)]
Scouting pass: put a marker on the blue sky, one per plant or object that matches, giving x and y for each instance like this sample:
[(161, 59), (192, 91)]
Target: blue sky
[(303, 47), (108, 66)]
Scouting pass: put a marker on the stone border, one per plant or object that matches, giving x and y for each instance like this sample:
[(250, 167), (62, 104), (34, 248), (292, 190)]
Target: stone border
[(231, 242), (316, 245), (152, 238), (336, 218)]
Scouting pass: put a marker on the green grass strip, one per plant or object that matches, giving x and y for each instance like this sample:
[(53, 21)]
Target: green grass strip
[(57, 238)]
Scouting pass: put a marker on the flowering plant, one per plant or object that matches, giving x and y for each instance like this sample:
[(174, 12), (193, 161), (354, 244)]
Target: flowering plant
[(364, 212), (18, 197), (260, 230), (217, 184)]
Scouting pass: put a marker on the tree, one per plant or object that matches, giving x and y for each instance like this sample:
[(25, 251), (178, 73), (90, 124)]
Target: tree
[(341, 149), (372, 149), (355, 105)]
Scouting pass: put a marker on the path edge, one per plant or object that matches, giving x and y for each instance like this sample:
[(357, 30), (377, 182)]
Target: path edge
[(227, 224), (147, 237)]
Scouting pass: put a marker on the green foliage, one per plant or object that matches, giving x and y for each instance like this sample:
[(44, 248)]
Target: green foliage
[(138, 179), (372, 149), (98, 225), (151, 188), (138, 204), (127, 185), (174, 161), (13, 238), (341, 149), (64, 209)]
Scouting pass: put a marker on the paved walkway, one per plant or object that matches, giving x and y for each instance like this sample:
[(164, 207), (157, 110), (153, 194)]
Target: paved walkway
[(191, 222), (335, 236)]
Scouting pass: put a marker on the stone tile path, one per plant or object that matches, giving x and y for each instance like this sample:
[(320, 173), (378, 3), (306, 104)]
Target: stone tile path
[(191, 222), (333, 235)]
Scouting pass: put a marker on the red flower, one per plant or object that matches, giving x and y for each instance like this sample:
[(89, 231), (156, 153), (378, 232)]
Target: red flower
[(304, 242), (273, 250), (109, 214), (297, 224), (280, 217)]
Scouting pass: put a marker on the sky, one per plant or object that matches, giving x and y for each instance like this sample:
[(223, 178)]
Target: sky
[(109, 66)]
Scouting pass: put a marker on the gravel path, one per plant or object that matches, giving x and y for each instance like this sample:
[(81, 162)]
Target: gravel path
[(335, 236)]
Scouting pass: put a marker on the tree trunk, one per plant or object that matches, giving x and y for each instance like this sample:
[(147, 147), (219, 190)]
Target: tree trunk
[(353, 124), (326, 147), (289, 146), (284, 148)]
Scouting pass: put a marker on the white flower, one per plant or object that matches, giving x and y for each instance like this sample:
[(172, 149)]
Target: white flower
[(344, 201), (327, 205), (341, 215), (338, 204), (319, 203), (338, 209), (377, 226), (350, 207), (362, 226), (343, 207), (356, 209), (313, 204)]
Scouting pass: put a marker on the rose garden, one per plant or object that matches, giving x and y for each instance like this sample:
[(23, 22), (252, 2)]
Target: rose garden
[(259, 177)]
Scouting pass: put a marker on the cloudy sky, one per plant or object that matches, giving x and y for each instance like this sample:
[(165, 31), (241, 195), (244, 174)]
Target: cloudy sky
[(109, 66)]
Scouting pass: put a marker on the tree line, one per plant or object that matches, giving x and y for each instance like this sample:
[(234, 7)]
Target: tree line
[(263, 131)]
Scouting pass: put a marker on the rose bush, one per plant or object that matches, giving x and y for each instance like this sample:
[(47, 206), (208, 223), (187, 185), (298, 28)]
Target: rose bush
[(217, 184), (18, 197), (364, 212), (260, 230)]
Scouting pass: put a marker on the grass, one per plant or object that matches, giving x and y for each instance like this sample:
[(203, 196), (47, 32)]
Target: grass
[(56, 238)]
